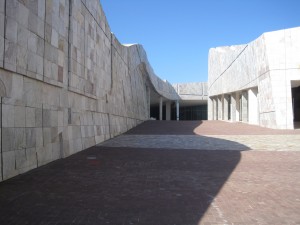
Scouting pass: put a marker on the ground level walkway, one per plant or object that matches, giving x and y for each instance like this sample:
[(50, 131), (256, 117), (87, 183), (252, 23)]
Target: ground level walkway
[(166, 173)]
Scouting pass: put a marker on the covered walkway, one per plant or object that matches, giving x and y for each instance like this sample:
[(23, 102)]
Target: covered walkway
[(166, 173)]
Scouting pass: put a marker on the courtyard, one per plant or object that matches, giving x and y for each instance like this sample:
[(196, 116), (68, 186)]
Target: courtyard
[(166, 173)]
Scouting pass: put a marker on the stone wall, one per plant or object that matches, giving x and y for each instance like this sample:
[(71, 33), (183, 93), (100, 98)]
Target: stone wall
[(66, 83), (268, 64), (192, 91)]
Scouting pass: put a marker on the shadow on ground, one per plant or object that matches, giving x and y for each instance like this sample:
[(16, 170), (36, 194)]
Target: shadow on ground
[(163, 127), (120, 185)]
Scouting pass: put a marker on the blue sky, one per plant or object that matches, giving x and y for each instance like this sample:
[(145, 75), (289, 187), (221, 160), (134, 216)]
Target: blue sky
[(177, 35)]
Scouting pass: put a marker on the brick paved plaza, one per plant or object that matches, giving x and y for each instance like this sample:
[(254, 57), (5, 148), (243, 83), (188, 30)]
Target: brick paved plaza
[(166, 173)]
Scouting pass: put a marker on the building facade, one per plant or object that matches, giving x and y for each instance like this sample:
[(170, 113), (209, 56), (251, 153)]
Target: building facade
[(257, 83), (66, 83)]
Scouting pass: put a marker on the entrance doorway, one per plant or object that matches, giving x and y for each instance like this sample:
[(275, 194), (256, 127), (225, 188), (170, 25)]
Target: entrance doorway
[(296, 106)]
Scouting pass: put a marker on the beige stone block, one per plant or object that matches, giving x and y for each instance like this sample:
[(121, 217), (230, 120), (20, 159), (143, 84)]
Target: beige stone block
[(51, 53), (8, 135), (60, 118), (44, 154), (32, 93), (76, 132), (10, 56), (19, 116), (41, 9), (40, 47), (56, 150), (12, 8), (40, 28), (22, 60), (54, 118), (47, 135), (22, 15), (23, 37), (30, 117), (30, 137), (8, 112), (33, 23), (54, 38), (47, 68), (54, 71), (9, 170), (11, 30), (2, 6), (66, 148), (88, 142), (99, 139), (21, 159), (2, 21), (61, 58), (40, 65), (46, 117), (20, 138), (1, 51), (83, 131), (18, 88), (48, 33), (32, 62), (54, 134), (76, 145), (61, 44), (38, 117), (39, 137), (33, 42), (31, 162)]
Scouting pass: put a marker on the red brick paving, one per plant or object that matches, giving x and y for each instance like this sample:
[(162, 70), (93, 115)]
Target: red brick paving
[(204, 128), (125, 186)]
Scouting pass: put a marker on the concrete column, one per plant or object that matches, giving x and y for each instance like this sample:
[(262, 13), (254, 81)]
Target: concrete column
[(237, 111), (160, 108), (233, 106), (177, 110), (220, 106), (210, 109), (225, 107), (168, 110), (245, 106), (253, 106), (216, 110)]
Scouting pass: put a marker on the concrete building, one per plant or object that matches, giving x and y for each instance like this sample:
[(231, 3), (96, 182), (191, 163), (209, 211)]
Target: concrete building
[(257, 83), (191, 105), (66, 83)]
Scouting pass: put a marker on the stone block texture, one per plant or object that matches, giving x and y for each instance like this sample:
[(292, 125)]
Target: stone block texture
[(192, 91), (264, 68), (66, 83)]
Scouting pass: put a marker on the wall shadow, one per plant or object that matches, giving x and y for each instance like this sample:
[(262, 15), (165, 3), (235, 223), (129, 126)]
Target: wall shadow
[(120, 185), (164, 127)]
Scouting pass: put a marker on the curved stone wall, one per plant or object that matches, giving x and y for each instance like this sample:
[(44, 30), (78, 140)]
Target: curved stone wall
[(66, 82)]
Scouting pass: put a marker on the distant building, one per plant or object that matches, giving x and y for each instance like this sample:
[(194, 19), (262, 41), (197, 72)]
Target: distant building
[(257, 83), (191, 103)]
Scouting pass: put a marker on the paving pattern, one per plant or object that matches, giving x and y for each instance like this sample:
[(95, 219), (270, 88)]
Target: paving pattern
[(207, 135), (157, 185)]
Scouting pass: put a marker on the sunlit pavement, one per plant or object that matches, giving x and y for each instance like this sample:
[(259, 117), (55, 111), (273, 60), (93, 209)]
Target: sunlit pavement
[(166, 173)]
